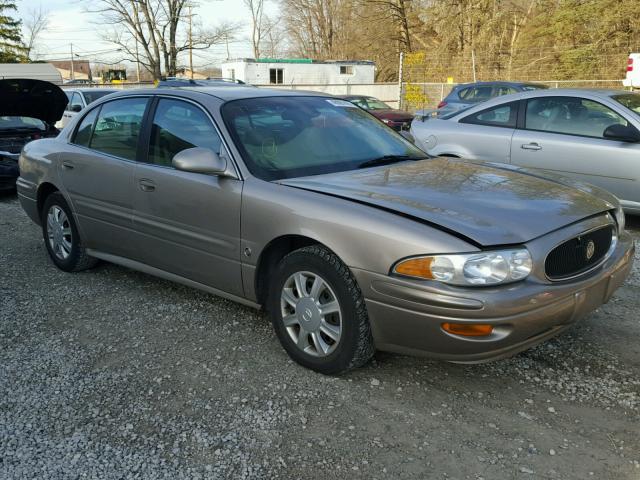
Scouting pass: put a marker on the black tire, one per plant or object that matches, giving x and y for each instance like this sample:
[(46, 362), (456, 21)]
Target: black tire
[(77, 259), (355, 346)]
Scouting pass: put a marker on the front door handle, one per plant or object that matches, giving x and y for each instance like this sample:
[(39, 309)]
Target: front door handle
[(68, 165), (147, 185), (531, 146)]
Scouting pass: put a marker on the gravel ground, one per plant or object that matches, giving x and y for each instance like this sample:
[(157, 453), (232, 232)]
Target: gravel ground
[(113, 374)]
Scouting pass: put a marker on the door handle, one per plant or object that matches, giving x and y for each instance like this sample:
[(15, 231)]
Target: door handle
[(531, 146), (68, 165), (147, 185)]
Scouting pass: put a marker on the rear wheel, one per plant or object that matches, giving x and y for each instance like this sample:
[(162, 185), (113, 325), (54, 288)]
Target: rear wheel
[(318, 312), (61, 236)]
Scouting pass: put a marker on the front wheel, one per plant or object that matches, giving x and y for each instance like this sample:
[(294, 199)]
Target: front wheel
[(318, 312)]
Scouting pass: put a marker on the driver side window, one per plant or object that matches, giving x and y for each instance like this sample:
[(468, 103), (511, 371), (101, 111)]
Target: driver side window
[(177, 126), (570, 116)]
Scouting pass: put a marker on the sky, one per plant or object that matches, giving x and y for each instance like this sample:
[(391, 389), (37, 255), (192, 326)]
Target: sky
[(70, 22)]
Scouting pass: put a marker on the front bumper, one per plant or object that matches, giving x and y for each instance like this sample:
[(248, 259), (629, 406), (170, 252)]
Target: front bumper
[(406, 315)]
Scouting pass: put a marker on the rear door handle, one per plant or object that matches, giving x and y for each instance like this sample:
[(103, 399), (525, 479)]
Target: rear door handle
[(68, 165), (531, 146), (147, 185)]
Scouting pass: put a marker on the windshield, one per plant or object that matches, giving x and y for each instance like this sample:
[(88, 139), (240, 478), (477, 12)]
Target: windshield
[(21, 123), (629, 100), (375, 104), (286, 137), (94, 95)]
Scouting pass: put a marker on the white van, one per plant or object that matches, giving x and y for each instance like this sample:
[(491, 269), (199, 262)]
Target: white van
[(633, 71)]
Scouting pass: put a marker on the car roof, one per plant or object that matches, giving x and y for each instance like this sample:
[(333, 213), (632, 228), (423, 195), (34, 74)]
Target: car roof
[(497, 82), (226, 93), (89, 89), (551, 92)]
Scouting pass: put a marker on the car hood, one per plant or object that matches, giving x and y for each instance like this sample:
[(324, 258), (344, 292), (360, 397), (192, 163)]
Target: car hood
[(485, 204), (395, 115), (21, 97)]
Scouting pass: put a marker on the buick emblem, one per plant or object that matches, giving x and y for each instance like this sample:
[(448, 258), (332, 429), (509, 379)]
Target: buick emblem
[(591, 249)]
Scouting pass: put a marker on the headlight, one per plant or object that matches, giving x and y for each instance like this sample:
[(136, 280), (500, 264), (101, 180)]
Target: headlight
[(620, 219), (385, 120), (485, 268)]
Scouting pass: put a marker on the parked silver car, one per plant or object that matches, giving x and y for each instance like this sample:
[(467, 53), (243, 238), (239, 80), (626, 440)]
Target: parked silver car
[(80, 98), (338, 226), (590, 135)]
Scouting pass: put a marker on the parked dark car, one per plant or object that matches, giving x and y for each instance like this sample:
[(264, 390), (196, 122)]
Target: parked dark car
[(28, 111), (467, 94), (191, 82), (396, 119)]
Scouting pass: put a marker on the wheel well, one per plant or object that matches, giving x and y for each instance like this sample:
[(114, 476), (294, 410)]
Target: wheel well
[(271, 255), (450, 155), (44, 191)]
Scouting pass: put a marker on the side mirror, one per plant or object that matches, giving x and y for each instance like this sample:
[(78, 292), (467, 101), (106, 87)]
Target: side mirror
[(622, 133), (200, 160), (76, 108)]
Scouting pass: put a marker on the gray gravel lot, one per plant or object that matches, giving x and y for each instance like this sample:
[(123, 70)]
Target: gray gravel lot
[(112, 374)]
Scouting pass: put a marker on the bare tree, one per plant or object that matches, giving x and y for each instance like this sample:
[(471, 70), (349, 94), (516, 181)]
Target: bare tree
[(148, 31), (256, 8), (34, 24)]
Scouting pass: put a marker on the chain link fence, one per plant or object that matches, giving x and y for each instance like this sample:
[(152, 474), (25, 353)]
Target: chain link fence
[(428, 76), (426, 96)]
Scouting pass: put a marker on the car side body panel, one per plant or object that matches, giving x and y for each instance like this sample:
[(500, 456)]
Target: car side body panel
[(364, 237)]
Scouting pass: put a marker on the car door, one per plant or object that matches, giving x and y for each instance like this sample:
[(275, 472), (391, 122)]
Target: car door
[(565, 134), (97, 171), (73, 107), (189, 222), (484, 135)]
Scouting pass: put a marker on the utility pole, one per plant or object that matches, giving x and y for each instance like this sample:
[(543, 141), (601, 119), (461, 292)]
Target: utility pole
[(190, 44), (73, 76)]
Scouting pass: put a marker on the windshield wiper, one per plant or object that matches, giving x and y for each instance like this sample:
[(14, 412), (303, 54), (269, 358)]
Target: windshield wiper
[(388, 159)]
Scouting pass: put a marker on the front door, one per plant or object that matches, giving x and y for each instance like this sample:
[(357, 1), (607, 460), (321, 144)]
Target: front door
[(565, 134), (189, 223), (97, 170)]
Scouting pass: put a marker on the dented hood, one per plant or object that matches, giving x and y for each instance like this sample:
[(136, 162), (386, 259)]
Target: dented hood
[(486, 204)]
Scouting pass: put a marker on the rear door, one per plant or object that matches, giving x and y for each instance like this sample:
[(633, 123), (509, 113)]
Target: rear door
[(565, 134), (189, 222), (484, 135), (97, 170)]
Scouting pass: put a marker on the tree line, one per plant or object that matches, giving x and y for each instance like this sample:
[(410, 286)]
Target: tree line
[(486, 39), (507, 39)]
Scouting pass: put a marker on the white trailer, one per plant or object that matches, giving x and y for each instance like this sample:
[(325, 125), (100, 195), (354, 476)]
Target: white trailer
[(34, 71), (299, 71)]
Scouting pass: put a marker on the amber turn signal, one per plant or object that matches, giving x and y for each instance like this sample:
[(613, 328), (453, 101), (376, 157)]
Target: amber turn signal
[(416, 267), (468, 329)]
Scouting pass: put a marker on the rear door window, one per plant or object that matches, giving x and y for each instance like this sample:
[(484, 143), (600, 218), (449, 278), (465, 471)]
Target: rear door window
[(477, 94), (570, 116), (177, 126), (504, 90), (118, 127), (499, 116)]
